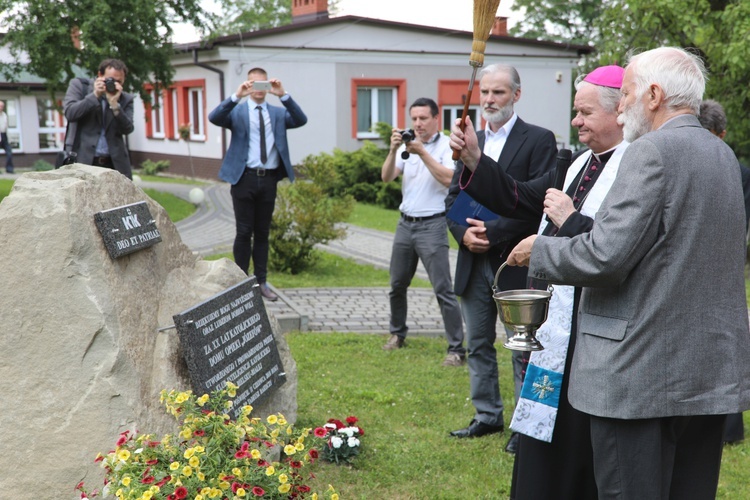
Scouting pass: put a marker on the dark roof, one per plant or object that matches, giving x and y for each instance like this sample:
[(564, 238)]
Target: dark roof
[(250, 35)]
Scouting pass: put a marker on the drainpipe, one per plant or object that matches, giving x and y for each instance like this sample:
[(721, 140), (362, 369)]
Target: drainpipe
[(221, 94)]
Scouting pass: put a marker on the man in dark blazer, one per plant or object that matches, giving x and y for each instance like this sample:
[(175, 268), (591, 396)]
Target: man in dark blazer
[(662, 271), (257, 158), (103, 116), (528, 152)]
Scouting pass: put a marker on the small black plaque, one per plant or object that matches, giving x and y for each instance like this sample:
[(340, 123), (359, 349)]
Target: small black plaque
[(127, 229), (228, 338)]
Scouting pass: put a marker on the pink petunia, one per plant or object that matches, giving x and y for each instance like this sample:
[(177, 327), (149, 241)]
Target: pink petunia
[(258, 491)]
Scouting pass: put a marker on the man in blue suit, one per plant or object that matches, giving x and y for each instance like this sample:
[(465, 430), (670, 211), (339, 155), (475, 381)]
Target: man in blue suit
[(257, 158)]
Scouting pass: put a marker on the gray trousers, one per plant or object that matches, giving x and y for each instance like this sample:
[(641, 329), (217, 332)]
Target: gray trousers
[(480, 316), (669, 458), (428, 241)]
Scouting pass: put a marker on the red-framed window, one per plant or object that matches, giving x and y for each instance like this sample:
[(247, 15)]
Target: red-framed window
[(183, 102), (377, 100)]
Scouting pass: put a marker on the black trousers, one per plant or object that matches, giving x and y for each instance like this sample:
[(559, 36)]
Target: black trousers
[(253, 199), (657, 458)]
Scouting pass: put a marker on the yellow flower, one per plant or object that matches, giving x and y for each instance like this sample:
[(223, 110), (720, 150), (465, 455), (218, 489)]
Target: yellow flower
[(270, 470), (147, 495), (174, 466), (289, 431), (299, 446), (206, 491), (285, 488), (182, 397), (283, 478), (224, 485), (194, 461), (201, 475), (186, 433), (282, 420), (255, 454), (247, 409), (202, 400), (335, 496), (290, 449), (237, 472), (275, 433), (314, 496), (187, 471), (123, 455), (198, 497), (228, 404), (125, 481), (189, 453), (272, 419), (231, 389), (215, 492), (240, 492)]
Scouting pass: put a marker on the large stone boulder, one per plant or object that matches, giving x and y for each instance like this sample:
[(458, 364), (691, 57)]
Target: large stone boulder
[(82, 357)]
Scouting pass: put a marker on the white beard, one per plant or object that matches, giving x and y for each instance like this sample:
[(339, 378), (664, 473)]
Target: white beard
[(500, 116), (634, 122)]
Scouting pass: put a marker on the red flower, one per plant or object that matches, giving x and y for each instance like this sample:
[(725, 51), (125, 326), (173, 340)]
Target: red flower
[(164, 481), (352, 420), (320, 432), (295, 464), (303, 488), (240, 454), (79, 486), (262, 463), (153, 444), (313, 453), (123, 439), (99, 458), (258, 491), (181, 492), (199, 432), (153, 461), (235, 487), (245, 446), (171, 497), (361, 431), (148, 480), (339, 424)]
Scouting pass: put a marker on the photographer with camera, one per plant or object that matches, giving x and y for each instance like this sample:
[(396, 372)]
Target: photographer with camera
[(424, 158), (101, 114)]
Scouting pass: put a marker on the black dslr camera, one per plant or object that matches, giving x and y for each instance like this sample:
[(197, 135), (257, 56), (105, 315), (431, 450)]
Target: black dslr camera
[(407, 136), (109, 84)]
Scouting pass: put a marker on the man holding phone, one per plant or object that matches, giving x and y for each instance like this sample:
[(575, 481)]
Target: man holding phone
[(257, 158), (101, 115)]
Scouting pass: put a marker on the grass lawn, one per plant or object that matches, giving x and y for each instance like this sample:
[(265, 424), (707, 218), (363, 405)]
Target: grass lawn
[(331, 271), (176, 207), (407, 403)]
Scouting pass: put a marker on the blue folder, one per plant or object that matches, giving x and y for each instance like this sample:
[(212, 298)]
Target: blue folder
[(466, 207)]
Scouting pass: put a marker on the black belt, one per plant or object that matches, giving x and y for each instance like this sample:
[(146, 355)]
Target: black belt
[(409, 218), (102, 161), (260, 172)]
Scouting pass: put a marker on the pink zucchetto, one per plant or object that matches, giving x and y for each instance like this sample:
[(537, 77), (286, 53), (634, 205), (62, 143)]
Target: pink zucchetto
[(606, 76)]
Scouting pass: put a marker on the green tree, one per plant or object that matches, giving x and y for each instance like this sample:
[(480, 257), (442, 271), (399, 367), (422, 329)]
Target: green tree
[(39, 37), (565, 21), (714, 29)]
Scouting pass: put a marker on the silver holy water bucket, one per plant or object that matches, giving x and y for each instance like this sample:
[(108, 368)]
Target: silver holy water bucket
[(522, 311)]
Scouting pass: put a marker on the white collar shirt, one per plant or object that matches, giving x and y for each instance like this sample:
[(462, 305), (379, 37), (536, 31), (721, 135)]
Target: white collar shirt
[(494, 142)]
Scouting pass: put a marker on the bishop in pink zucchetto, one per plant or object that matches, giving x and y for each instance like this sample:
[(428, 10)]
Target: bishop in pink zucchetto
[(606, 76)]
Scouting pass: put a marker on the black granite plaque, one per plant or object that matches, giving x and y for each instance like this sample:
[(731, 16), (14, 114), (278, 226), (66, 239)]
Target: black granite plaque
[(228, 338), (127, 229)]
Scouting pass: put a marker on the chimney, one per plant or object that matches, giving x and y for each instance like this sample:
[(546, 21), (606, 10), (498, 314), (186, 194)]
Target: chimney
[(309, 10), (500, 26)]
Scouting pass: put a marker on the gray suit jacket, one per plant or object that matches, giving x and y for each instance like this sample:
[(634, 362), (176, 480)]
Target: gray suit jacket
[(82, 106), (663, 322)]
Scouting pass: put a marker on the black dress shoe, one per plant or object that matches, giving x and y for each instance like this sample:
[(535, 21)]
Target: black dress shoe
[(477, 429), (512, 446), (267, 293)]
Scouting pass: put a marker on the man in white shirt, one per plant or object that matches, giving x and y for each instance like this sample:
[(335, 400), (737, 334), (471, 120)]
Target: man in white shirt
[(425, 161)]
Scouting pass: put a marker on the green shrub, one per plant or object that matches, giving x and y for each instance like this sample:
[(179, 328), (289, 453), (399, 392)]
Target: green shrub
[(306, 214), (42, 166), (149, 167)]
